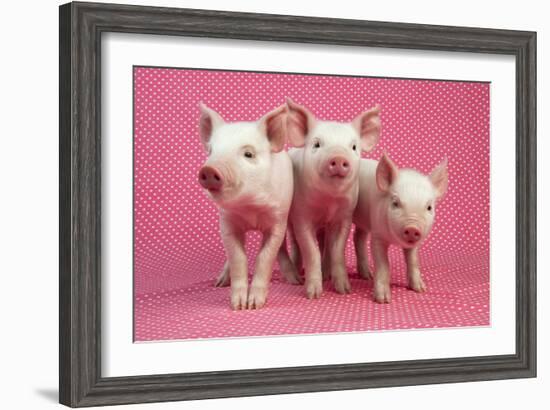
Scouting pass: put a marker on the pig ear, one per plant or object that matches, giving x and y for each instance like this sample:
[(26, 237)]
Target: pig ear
[(386, 173), (300, 121), (368, 126), (274, 125), (440, 178), (208, 121)]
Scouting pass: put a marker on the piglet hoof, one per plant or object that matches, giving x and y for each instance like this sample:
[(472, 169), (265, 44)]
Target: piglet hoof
[(418, 285), (291, 276), (382, 293), (341, 284), (314, 289), (364, 272), (294, 280), (257, 297), (223, 279), (238, 298)]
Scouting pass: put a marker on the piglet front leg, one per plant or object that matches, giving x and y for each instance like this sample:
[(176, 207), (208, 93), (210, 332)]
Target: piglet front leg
[(335, 247), (311, 258), (382, 290), (413, 270), (234, 243), (271, 243)]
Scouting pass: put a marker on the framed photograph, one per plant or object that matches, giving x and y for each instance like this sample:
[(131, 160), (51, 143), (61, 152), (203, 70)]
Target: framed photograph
[(259, 204)]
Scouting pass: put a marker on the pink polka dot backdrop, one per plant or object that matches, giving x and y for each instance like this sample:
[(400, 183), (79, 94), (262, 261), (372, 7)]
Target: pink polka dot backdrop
[(177, 247)]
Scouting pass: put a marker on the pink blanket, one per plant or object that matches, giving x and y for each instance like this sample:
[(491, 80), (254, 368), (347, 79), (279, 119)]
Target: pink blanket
[(177, 248)]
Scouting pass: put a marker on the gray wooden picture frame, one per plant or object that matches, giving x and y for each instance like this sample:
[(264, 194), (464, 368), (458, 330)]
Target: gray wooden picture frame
[(80, 380)]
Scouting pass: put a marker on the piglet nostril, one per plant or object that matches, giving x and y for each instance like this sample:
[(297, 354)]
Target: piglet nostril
[(406, 232), (333, 163), (345, 164), (217, 177)]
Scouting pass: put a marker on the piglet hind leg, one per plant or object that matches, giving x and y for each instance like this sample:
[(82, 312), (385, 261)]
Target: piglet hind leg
[(382, 289), (288, 269), (223, 280), (295, 254), (336, 237), (413, 270), (325, 254), (271, 245), (361, 254)]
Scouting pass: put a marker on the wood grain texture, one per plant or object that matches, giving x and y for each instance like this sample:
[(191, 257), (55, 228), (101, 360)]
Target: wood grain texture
[(81, 26)]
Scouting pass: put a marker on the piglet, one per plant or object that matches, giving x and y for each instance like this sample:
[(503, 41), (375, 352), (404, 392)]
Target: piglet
[(249, 177), (326, 170), (397, 207)]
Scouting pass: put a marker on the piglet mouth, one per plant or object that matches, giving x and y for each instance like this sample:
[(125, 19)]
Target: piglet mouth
[(412, 242), (336, 175), (216, 193), (408, 244), (339, 175)]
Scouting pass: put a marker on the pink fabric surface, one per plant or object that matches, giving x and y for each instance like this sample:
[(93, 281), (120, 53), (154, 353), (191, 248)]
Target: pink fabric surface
[(177, 247)]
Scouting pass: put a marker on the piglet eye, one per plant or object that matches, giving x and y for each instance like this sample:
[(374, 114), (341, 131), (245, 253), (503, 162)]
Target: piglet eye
[(429, 207), (354, 147), (249, 154), (317, 145), (395, 203)]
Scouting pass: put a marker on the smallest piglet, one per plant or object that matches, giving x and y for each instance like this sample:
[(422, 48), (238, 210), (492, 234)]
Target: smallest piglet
[(397, 206)]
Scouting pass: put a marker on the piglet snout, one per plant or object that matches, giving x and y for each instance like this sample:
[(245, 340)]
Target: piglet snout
[(338, 166), (210, 178), (411, 234)]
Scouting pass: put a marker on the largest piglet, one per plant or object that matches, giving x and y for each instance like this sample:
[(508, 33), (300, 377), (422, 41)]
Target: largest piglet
[(326, 168), (249, 178)]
